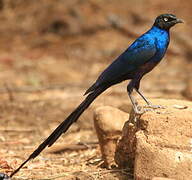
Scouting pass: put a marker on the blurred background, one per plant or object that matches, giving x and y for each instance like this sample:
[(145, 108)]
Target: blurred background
[(52, 51)]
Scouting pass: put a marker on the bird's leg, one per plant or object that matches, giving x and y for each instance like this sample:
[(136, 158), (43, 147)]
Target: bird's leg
[(149, 104), (144, 98), (137, 109)]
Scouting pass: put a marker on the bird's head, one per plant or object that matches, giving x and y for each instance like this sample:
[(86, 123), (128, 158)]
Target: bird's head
[(166, 21)]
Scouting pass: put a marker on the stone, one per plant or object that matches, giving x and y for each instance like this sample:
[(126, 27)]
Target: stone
[(159, 142), (108, 122)]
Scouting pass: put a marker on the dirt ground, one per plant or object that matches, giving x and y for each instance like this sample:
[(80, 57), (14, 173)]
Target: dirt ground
[(51, 52)]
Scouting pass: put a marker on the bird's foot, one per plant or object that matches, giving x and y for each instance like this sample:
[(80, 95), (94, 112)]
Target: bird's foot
[(151, 106), (139, 110)]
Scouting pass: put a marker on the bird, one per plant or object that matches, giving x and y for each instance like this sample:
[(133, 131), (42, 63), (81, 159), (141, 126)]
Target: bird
[(136, 61)]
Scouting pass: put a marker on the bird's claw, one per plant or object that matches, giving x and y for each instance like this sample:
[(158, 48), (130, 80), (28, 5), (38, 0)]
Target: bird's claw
[(151, 106), (139, 110)]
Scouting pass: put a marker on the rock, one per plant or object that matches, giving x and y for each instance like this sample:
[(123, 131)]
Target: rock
[(125, 153), (159, 143), (108, 122)]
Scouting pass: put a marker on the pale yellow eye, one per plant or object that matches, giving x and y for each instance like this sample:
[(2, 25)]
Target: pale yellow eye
[(165, 19)]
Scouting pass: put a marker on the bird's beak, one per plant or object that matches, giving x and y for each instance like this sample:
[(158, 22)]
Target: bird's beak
[(179, 21)]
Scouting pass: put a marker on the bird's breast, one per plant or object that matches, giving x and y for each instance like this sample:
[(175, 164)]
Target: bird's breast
[(147, 67), (162, 43)]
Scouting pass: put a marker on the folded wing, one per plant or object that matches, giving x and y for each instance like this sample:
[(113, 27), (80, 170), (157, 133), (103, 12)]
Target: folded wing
[(140, 52)]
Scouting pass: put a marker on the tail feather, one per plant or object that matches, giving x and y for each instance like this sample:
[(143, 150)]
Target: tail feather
[(64, 126), (91, 89)]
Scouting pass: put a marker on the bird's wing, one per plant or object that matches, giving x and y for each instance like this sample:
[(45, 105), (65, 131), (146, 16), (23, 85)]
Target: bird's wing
[(140, 52)]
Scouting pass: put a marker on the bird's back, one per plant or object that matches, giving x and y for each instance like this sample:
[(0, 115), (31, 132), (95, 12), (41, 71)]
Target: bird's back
[(151, 46)]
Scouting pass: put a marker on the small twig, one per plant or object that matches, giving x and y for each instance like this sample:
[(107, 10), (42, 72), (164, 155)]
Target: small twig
[(118, 23), (71, 147), (17, 130), (31, 89), (9, 92)]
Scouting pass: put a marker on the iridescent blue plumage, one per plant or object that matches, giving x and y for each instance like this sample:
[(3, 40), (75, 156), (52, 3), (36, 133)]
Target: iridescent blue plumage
[(150, 47), (140, 58)]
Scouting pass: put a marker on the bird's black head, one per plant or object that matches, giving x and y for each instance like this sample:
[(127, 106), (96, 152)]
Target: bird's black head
[(166, 21)]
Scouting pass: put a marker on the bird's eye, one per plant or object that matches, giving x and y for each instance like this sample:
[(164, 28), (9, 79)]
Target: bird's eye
[(165, 19)]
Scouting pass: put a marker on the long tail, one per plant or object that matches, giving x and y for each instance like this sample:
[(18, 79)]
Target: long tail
[(64, 126)]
